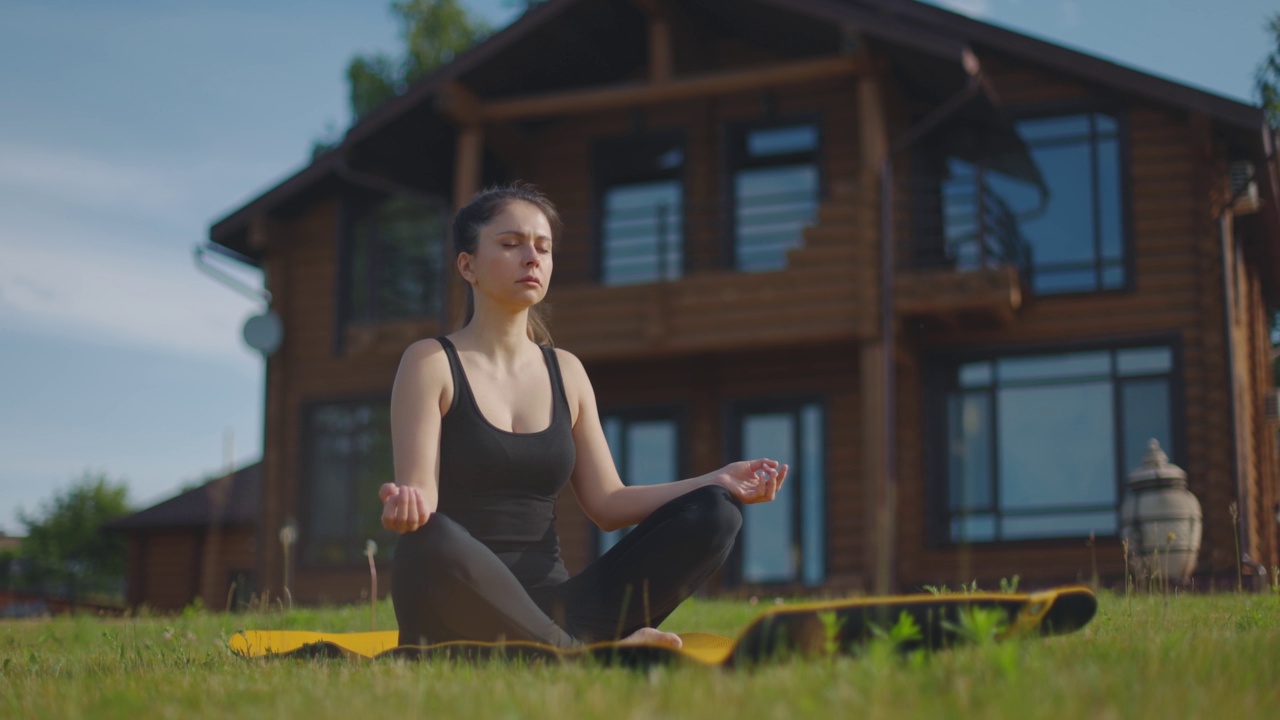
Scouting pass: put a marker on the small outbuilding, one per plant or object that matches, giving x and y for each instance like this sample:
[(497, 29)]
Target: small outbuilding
[(199, 544)]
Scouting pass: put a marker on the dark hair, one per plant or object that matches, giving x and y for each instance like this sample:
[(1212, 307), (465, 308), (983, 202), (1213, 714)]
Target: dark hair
[(480, 211)]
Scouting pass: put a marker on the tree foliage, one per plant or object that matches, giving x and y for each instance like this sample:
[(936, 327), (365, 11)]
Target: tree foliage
[(433, 33), (65, 546), (1267, 80)]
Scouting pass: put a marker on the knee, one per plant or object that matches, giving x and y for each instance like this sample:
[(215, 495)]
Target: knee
[(432, 548), (717, 513)]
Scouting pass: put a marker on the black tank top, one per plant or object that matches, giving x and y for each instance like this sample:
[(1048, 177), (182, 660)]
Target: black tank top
[(502, 486)]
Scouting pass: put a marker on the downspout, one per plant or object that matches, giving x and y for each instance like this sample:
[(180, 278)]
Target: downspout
[(888, 376), (1225, 240)]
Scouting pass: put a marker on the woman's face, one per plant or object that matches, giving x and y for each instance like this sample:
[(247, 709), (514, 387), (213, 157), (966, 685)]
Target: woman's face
[(512, 262)]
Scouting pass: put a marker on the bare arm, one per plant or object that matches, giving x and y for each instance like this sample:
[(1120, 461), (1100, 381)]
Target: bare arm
[(417, 398), (612, 505)]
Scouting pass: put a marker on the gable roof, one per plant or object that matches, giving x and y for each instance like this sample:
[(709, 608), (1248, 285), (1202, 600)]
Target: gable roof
[(914, 25), (234, 499)]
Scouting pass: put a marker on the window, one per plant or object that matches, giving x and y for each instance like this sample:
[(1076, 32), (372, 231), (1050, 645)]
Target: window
[(1074, 237), (348, 456), (641, 187), (784, 540), (1039, 446), (394, 249), (647, 450), (775, 192)]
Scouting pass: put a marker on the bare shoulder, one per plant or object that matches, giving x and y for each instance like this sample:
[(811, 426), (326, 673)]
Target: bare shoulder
[(572, 369), (424, 372), (423, 351), (577, 386)]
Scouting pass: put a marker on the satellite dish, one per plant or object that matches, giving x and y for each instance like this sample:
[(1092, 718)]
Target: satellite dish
[(264, 332)]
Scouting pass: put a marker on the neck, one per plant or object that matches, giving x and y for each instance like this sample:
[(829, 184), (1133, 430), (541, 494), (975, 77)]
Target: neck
[(498, 332)]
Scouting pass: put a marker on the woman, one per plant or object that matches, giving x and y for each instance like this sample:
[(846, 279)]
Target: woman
[(488, 424)]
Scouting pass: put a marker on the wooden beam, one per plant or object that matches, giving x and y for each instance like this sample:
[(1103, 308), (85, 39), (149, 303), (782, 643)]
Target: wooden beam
[(872, 128), (632, 94), (878, 521), (467, 161), (661, 57), (456, 102)]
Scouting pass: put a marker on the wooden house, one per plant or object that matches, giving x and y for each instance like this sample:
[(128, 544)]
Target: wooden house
[(956, 275)]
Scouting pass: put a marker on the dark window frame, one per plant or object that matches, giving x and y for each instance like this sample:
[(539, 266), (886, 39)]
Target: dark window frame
[(676, 412), (939, 365), (733, 413), (305, 491), (609, 170), (1124, 148), (357, 204), (734, 157)]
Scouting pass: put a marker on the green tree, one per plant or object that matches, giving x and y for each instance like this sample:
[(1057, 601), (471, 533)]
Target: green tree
[(65, 546), (433, 32), (1267, 79)]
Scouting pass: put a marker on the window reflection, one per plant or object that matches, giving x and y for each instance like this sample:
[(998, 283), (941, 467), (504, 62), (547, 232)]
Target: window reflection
[(349, 457), (1071, 240), (640, 187), (1042, 449), (394, 261), (784, 540), (776, 187), (645, 451), (642, 233)]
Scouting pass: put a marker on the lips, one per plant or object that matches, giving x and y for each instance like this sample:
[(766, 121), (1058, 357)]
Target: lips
[(530, 279)]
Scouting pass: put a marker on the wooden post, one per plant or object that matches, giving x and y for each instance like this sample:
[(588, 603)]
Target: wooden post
[(661, 58), (875, 364), (467, 170)]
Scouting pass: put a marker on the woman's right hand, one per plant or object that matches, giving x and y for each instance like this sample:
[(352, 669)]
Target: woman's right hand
[(403, 508)]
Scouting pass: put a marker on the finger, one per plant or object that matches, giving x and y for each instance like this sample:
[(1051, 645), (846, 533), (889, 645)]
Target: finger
[(387, 490), (782, 475)]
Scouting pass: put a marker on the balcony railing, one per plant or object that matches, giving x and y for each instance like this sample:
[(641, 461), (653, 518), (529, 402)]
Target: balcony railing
[(961, 223)]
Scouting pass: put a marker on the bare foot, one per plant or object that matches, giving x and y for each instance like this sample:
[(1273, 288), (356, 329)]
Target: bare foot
[(653, 636)]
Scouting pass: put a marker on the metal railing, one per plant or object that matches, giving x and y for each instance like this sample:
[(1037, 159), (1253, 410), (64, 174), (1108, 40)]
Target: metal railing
[(961, 223)]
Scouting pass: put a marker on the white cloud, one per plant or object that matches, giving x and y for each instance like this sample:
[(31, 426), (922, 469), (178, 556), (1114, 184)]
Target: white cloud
[(972, 8), (82, 181), (142, 297)]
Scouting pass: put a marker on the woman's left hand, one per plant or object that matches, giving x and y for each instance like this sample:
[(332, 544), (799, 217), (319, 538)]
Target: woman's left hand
[(752, 481)]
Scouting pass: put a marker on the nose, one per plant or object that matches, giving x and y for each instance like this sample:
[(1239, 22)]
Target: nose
[(531, 258)]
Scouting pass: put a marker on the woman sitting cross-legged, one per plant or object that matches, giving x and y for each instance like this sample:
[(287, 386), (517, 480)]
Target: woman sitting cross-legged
[(488, 424)]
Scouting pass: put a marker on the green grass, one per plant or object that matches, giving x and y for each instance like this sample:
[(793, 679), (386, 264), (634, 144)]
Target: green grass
[(1188, 656)]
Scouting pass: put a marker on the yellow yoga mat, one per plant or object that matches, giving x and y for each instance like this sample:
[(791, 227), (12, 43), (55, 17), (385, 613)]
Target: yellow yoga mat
[(803, 629)]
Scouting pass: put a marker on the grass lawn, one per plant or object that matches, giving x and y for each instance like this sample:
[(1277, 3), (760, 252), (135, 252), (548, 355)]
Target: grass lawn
[(1202, 656)]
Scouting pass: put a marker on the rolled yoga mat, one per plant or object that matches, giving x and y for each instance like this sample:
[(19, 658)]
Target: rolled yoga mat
[(812, 629)]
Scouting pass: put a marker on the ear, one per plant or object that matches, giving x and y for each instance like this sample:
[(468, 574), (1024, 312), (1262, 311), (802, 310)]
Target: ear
[(463, 261)]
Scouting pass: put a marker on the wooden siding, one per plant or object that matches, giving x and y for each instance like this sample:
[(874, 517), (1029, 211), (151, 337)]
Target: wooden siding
[(705, 386), (169, 569), (1178, 295), (714, 335)]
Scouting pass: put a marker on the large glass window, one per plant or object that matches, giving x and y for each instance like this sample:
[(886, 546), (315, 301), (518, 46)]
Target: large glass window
[(641, 185), (1039, 446), (784, 540), (1073, 237), (348, 457), (646, 448), (394, 259), (776, 188)]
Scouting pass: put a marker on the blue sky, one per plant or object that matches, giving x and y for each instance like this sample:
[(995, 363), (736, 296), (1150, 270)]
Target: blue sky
[(128, 127)]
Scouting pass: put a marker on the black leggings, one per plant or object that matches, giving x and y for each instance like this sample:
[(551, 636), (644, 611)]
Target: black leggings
[(449, 586)]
